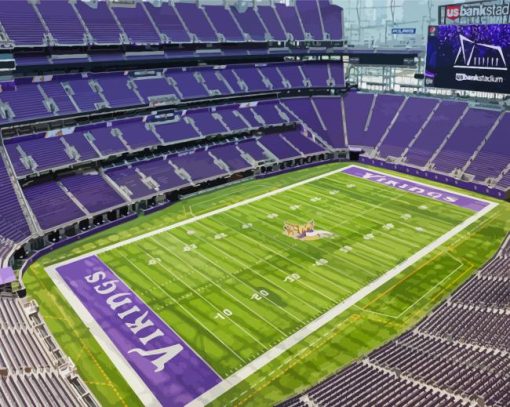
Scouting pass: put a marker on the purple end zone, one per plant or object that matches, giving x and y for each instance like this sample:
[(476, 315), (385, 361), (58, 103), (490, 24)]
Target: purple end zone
[(417, 188), (173, 372)]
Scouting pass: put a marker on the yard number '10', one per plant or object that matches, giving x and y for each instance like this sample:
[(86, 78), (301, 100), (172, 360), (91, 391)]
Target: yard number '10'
[(226, 313)]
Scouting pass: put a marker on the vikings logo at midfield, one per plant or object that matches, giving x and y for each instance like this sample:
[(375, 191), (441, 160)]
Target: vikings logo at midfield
[(305, 232)]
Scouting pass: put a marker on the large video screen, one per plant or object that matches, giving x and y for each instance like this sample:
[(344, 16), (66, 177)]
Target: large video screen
[(472, 57)]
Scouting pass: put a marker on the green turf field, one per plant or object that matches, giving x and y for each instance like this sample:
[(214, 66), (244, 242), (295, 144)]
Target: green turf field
[(234, 285)]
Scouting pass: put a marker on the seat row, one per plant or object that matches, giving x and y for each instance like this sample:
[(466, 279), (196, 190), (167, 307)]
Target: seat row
[(71, 23), (63, 95)]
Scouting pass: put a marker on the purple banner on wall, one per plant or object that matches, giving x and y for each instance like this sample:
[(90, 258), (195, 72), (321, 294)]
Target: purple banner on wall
[(173, 372), (417, 188)]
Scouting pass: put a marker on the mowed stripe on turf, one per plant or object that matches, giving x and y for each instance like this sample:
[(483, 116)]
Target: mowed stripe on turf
[(207, 285)]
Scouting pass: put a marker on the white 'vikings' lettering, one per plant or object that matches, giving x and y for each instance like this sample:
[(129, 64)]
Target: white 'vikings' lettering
[(114, 304), (141, 322), (167, 354), (107, 287), (95, 277), (402, 185)]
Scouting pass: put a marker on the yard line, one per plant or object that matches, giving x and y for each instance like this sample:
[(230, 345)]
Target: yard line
[(273, 353), (225, 291), (200, 295), (362, 215), (399, 195), (250, 268), (184, 309), (293, 262), (380, 206), (292, 248), (339, 225)]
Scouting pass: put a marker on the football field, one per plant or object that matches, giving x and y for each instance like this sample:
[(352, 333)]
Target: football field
[(233, 285)]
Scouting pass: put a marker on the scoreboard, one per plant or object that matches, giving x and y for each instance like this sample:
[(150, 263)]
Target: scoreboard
[(471, 57)]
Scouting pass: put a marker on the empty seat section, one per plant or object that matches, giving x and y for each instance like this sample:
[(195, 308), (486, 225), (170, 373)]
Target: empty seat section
[(187, 84), (82, 146), (271, 21), (129, 181), (176, 131), (337, 73), (213, 81), (163, 173), (491, 159), (251, 77), (21, 23), (310, 17), (105, 142), (206, 123), (62, 21), (232, 120), (136, 134), (153, 87), (465, 139), (330, 110), (168, 22), (83, 95), (50, 204), (302, 143), (386, 106), (279, 147), (357, 108), (232, 80), (224, 23), (331, 19), (434, 132), (136, 24), (26, 102), (93, 192), (290, 20), (12, 220), (229, 154), (196, 21), (46, 152), (411, 118), (250, 23), (292, 74), (253, 149), (198, 164), (269, 113), (116, 91), (317, 74), (272, 74), (55, 91), (100, 22), (302, 109)]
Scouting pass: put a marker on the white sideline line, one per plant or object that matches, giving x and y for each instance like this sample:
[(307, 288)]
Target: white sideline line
[(325, 318), (139, 386)]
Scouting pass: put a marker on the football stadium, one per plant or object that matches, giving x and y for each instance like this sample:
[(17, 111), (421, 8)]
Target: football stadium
[(294, 203)]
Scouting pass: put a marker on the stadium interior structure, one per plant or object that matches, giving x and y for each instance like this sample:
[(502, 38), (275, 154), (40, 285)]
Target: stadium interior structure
[(113, 110)]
